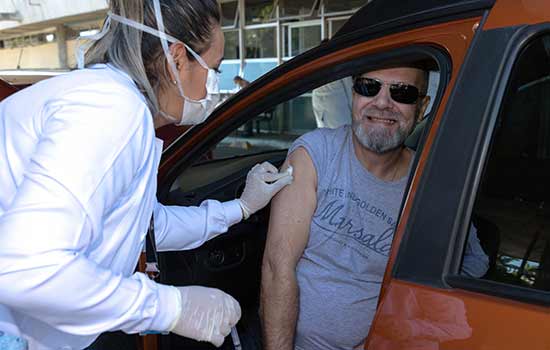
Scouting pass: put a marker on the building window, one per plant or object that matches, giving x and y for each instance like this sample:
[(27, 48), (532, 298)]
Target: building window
[(230, 10), (301, 37), (512, 208), (296, 8), (334, 25), (89, 32), (259, 11), (29, 40), (261, 42), (231, 50), (50, 37)]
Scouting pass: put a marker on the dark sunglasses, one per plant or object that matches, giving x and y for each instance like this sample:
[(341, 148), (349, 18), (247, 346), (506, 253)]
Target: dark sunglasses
[(399, 92)]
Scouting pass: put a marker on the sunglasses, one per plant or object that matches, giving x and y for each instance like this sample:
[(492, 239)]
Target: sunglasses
[(399, 92)]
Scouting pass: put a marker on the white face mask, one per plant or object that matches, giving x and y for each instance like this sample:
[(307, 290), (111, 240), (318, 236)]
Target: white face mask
[(194, 111)]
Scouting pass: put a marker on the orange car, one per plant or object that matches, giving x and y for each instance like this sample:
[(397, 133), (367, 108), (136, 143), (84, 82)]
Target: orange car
[(483, 156)]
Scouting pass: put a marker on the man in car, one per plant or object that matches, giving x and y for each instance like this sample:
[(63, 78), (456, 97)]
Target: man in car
[(331, 231)]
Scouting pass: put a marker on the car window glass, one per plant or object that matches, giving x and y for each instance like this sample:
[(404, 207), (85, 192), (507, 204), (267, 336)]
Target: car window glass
[(512, 208), (268, 135), (276, 128)]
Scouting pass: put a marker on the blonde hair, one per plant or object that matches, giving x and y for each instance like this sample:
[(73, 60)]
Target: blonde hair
[(140, 54)]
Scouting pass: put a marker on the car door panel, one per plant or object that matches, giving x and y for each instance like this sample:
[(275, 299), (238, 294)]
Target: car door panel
[(420, 317), (426, 303)]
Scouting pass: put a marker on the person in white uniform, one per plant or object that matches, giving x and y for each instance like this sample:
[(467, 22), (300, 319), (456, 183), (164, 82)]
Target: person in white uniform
[(78, 171), (331, 103)]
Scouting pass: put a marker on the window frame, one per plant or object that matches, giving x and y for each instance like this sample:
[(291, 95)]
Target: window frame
[(236, 16), (287, 41), (330, 24), (252, 27), (238, 42), (496, 288), (296, 88), (306, 15), (451, 190), (272, 19)]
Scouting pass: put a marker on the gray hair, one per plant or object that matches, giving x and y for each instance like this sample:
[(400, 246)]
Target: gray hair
[(140, 54)]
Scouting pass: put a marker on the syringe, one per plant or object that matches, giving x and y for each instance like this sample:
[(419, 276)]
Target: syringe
[(235, 338)]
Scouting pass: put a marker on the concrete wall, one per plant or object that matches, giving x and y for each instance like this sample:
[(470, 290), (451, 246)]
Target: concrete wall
[(33, 11), (36, 57)]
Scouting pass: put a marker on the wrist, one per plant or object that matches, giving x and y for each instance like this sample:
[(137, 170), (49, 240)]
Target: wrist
[(178, 309), (233, 212), (168, 308), (244, 210)]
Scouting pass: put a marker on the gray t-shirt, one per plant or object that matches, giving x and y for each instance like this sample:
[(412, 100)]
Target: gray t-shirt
[(341, 270)]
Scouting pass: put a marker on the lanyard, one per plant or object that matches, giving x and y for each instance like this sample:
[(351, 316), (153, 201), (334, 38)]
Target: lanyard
[(151, 258), (151, 261)]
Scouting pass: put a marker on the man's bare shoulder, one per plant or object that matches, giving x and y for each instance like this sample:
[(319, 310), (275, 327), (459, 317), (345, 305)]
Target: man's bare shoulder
[(303, 169)]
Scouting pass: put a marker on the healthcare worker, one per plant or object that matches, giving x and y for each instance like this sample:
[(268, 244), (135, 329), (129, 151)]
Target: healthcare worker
[(78, 167)]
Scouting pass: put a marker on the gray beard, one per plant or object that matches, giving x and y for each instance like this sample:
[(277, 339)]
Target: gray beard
[(380, 141)]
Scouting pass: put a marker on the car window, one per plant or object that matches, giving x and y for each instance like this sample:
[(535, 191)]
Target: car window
[(268, 135), (277, 127), (326, 106), (512, 208)]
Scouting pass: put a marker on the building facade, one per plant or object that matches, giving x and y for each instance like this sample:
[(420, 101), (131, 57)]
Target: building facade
[(259, 34)]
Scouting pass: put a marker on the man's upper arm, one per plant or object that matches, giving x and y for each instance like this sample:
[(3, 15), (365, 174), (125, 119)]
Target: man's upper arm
[(291, 213)]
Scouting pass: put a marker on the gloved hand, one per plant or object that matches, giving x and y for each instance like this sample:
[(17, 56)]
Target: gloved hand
[(207, 314), (262, 183)]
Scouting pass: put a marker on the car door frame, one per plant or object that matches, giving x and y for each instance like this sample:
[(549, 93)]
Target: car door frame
[(447, 42), (453, 173), (439, 215), (305, 72)]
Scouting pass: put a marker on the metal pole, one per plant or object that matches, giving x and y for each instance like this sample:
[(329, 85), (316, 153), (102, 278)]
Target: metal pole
[(61, 36), (323, 22), (242, 49), (278, 35)]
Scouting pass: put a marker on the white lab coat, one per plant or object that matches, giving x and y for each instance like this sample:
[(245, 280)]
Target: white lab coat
[(78, 167)]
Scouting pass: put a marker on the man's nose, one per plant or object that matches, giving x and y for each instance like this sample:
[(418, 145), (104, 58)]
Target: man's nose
[(383, 99)]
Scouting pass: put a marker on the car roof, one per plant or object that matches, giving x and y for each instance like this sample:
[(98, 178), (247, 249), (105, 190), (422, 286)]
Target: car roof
[(394, 14)]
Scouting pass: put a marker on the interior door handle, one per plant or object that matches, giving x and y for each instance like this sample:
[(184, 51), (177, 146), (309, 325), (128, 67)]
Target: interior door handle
[(226, 257)]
